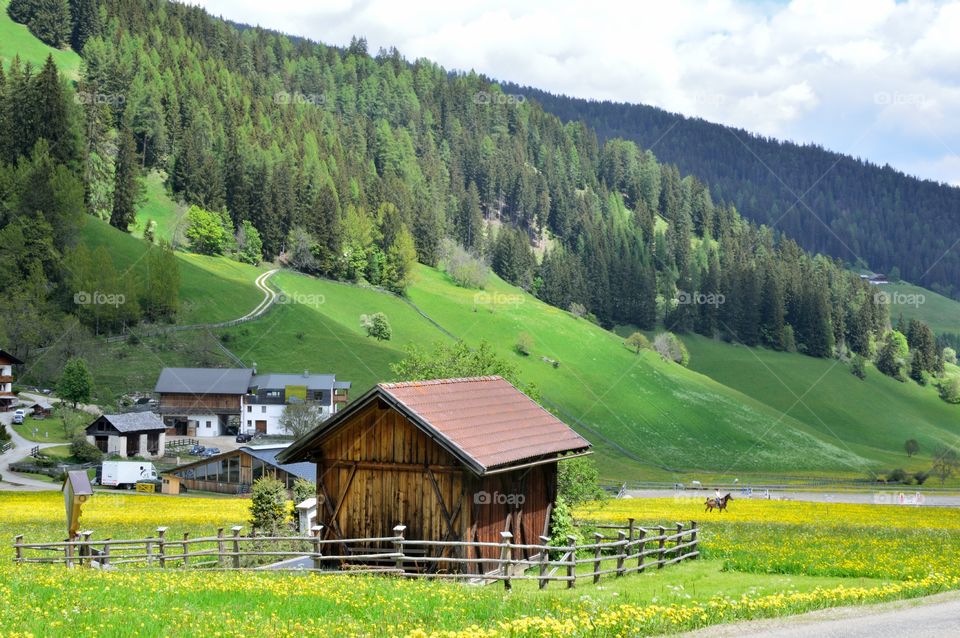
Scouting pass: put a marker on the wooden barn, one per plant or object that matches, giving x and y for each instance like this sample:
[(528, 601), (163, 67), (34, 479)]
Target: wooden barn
[(451, 459)]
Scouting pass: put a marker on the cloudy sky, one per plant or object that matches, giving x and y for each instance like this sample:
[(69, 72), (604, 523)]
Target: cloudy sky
[(873, 78)]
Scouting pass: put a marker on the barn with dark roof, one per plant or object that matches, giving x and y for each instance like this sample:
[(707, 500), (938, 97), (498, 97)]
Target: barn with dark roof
[(451, 459)]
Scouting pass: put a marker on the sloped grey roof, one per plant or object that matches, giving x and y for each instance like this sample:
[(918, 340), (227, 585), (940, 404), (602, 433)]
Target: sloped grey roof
[(342, 385), (304, 470), (204, 380), (267, 454), (280, 380), (134, 422)]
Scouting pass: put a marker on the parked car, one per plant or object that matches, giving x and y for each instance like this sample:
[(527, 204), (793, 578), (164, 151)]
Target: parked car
[(244, 437), (197, 450), (210, 451), (18, 417)]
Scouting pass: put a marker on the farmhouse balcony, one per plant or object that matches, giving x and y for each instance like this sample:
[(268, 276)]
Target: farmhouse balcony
[(6, 378)]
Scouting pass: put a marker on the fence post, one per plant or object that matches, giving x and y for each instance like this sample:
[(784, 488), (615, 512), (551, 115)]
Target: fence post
[(105, 556), (398, 532), (624, 548), (572, 563), (186, 548), (544, 557), (85, 549), (663, 541), (219, 547), (642, 546), (317, 546), (597, 537), (162, 546), (68, 552), (678, 550), (236, 545), (18, 547), (506, 556), (695, 545)]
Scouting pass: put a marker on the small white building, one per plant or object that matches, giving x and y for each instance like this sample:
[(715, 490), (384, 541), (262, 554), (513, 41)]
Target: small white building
[(271, 393), (204, 402), (140, 434)]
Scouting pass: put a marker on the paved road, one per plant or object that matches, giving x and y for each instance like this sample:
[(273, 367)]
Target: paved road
[(20, 450), (933, 617), (885, 497)]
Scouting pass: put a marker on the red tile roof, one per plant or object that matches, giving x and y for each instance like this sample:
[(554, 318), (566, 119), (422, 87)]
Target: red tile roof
[(485, 421), (487, 418)]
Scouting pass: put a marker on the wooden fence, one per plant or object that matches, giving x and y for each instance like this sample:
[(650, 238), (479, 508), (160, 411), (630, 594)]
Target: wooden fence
[(616, 550)]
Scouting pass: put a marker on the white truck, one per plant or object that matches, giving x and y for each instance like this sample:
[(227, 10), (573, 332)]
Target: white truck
[(126, 473)]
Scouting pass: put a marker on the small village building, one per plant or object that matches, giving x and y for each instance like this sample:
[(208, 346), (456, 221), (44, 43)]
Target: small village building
[(235, 471), (7, 397), (140, 434), (170, 484), (41, 409), (451, 459), (201, 401), (271, 393), (204, 402)]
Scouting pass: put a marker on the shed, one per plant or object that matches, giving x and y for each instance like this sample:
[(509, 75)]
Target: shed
[(132, 434), (170, 485), (235, 471), (451, 459), (41, 409)]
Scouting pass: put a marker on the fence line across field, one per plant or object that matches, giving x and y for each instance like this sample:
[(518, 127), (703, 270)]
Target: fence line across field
[(634, 549)]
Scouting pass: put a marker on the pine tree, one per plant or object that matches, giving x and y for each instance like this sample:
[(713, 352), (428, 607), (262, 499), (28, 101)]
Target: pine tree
[(127, 184)]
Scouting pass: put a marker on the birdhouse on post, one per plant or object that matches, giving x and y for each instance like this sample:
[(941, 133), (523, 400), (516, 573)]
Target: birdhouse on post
[(76, 491)]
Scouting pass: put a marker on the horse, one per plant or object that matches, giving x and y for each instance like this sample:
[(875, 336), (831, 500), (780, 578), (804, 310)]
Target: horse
[(717, 503)]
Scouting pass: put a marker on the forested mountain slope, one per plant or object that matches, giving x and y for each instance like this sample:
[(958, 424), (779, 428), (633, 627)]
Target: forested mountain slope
[(851, 209)]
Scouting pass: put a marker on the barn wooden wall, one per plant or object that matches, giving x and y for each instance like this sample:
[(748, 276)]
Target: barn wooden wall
[(380, 470)]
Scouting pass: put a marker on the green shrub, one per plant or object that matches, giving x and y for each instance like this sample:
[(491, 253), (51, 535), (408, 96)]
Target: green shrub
[(268, 512), (85, 452)]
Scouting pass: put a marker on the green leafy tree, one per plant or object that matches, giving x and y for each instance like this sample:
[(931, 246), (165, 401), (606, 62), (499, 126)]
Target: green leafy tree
[(637, 341), (892, 355), (161, 289), (911, 446), (858, 366), (268, 511), (524, 344), (249, 244), (377, 326), (206, 231), (945, 463), (578, 481), (85, 452), (76, 382), (670, 347)]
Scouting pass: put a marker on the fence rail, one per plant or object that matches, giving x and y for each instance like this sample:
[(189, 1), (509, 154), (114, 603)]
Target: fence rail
[(633, 549)]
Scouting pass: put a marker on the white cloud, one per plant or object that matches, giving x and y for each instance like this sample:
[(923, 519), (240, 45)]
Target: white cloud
[(807, 70)]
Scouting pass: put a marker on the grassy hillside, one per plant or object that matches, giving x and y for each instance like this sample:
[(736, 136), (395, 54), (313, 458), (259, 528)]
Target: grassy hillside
[(871, 418), (662, 415), (16, 39), (212, 289), (735, 412), (941, 313), (158, 206)]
